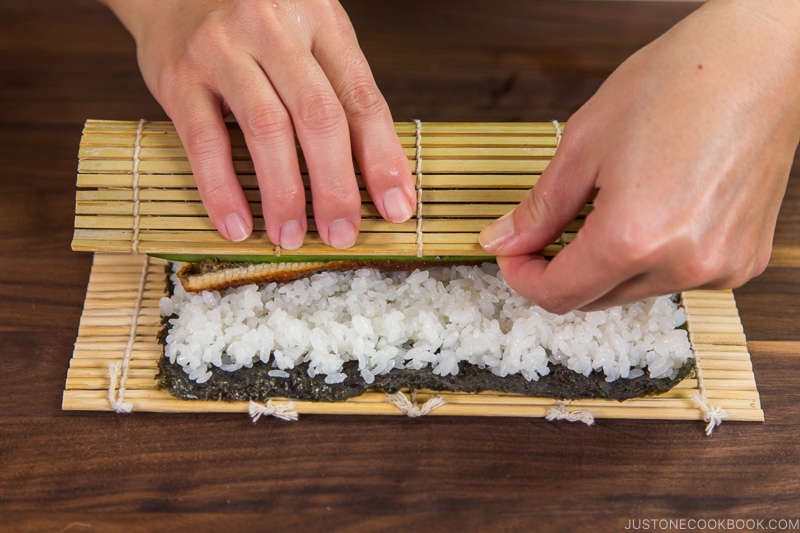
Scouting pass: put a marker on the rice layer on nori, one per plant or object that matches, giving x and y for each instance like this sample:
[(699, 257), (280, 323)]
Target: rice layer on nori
[(334, 335)]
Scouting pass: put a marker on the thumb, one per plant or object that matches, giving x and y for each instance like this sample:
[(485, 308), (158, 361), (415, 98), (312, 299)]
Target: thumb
[(547, 209)]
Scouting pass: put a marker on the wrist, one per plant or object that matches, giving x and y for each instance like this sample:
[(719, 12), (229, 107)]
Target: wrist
[(131, 13)]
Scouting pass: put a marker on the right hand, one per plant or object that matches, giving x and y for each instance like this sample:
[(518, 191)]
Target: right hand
[(281, 67), (686, 150)]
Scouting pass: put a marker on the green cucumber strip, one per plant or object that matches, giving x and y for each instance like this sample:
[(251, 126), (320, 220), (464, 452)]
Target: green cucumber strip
[(195, 258)]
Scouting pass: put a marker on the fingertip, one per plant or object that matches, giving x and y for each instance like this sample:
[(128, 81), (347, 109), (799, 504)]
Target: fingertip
[(386, 174), (398, 207), (495, 236), (526, 275), (523, 272), (292, 234), (236, 228), (342, 234)]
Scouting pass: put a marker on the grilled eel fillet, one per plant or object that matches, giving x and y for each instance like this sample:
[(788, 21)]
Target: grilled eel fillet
[(219, 275)]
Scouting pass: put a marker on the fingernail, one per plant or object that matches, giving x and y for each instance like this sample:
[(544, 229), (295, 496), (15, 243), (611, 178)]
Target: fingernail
[(236, 228), (342, 234), (398, 208), (292, 235), (498, 233)]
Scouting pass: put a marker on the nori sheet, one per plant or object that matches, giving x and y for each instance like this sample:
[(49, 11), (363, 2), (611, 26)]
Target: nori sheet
[(255, 383)]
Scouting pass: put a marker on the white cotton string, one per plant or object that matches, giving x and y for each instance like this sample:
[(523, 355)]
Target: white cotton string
[(560, 412), (137, 146), (410, 407), (113, 374), (117, 404), (418, 172), (557, 126), (712, 415), (282, 412)]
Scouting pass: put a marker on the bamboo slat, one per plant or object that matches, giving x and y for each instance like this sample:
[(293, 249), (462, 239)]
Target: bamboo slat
[(136, 191), (724, 370)]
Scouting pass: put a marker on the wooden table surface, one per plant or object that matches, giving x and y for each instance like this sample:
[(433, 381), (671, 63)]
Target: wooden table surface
[(63, 61)]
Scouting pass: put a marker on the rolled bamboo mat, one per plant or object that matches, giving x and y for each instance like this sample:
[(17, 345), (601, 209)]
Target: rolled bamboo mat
[(136, 191), (120, 320)]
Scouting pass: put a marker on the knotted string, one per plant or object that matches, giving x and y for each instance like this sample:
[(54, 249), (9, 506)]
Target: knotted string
[(712, 415), (282, 412), (410, 407), (560, 412)]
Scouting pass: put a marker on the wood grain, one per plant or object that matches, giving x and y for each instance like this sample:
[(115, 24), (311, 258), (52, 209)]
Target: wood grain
[(63, 61)]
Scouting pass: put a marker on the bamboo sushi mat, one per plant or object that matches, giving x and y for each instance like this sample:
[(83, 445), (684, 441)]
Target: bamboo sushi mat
[(136, 191), (120, 320)]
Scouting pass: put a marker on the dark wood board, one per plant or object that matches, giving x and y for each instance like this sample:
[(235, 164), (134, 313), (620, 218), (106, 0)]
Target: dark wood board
[(63, 61)]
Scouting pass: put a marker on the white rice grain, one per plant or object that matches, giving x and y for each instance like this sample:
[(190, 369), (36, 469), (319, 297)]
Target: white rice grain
[(434, 318)]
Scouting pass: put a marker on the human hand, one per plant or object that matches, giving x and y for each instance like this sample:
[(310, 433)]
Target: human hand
[(688, 146), (280, 66)]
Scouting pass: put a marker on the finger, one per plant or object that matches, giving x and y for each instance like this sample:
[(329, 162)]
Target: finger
[(582, 273), (269, 134), (381, 159), (321, 127), (200, 126), (561, 192)]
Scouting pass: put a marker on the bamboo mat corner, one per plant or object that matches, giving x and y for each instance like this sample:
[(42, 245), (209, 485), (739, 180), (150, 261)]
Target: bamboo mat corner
[(120, 284)]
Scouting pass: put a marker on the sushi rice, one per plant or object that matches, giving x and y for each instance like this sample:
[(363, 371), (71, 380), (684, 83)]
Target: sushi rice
[(436, 318)]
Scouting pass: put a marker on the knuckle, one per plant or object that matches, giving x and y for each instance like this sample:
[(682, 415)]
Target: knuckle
[(170, 82), (210, 37), (329, 6), (631, 248), (251, 13), (733, 282), (248, 9), (576, 131), (335, 200), (332, 12), (364, 100), (219, 34), (319, 111), (343, 194), (539, 204), (170, 76), (755, 266), (201, 140), (211, 189), (704, 269), (760, 264), (267, 121)]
